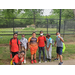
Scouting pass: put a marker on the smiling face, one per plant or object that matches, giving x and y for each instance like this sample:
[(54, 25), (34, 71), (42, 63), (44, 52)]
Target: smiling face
[(23, 36), (34, 35), (21, 55)]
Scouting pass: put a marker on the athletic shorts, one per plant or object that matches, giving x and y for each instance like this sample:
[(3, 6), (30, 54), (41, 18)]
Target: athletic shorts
[(59, 50), (33, 49), (14, 53)]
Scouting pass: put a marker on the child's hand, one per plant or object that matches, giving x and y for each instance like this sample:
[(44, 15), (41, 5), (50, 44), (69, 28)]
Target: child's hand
[(48, 49), (21, 59)]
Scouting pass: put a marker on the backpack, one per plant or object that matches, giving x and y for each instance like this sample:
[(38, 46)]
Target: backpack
[(52, 41), (64, 47), (11, 40)]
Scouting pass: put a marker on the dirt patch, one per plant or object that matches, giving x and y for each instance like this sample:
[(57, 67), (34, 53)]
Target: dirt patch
[(69, 43), (2, 45)]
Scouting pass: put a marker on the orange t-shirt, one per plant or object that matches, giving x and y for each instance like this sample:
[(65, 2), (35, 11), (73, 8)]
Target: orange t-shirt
[(14, 46), (16, 59)]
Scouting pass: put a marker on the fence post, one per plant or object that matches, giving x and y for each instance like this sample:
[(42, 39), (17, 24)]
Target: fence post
[(47, 26), (64, 29), (13, 26), (60, 20)]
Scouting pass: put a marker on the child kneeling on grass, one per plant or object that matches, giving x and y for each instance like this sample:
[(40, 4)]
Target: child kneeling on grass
[(18, 58), (48, 47)]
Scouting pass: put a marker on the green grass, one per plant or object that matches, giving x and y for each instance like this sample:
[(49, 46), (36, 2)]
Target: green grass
[(69, 53)]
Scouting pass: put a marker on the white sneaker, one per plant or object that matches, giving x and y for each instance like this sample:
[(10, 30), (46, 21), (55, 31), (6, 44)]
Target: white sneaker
[(24, 61), (39, 61)]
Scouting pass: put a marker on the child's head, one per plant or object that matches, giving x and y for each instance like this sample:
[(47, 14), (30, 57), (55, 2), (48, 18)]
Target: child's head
[(23, 35), (48, 35), (15, 35), (41, 33), (21, 54), (33, 34)]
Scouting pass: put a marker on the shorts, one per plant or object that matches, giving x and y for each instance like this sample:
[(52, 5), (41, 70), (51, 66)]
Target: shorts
[(14, 53), (33, 49), (59, 50)]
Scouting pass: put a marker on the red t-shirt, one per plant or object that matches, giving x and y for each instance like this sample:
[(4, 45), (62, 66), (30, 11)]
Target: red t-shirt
[(16, 59), (41, 41), (14, 46)]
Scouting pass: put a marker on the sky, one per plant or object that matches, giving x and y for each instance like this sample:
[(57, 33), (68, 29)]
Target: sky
[(47, 12)]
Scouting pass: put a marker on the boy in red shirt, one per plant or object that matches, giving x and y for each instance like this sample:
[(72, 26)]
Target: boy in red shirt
[(14, 45), (41, 44), (18, 58)]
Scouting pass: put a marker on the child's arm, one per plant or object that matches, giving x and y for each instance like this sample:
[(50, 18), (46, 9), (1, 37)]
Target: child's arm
[(49, 46)]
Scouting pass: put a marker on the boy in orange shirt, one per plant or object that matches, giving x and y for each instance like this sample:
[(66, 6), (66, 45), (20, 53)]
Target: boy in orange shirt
[(33, 46), (14, 45)]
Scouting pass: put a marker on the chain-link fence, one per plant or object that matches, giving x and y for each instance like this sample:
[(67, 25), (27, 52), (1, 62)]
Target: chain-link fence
[(28, 25)]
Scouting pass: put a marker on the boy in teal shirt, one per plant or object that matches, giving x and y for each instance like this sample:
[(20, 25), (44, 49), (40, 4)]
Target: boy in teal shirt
[(48, 47)]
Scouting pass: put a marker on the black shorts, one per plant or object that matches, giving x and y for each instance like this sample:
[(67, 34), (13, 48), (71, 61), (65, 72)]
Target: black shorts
[(14, 53)]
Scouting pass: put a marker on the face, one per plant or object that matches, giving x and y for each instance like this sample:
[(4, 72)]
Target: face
[(21, 55), (34, 35), (58, 34), (41, 33), (15, 35), (23, 36)]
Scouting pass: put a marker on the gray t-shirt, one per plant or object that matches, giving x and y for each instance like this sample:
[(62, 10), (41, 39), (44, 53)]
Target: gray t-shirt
[(59, 42)]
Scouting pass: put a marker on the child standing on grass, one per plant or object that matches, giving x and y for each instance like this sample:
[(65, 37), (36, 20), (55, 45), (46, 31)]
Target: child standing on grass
[(48, 47), (14, 45), (33, 46), (24, 44)]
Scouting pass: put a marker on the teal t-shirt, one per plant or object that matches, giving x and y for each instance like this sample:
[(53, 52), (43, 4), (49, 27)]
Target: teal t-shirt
[(49, 41)]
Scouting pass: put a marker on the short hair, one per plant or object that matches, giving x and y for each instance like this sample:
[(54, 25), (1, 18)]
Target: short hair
[(33, 32), (48, 35), (23, 34), (22, 52), (57, 32), (41, 31), (15, 33)]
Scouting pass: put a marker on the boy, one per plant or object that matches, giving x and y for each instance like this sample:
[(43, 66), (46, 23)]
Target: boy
[(59, 41), (18, 58), (24, 44), (41, 44), (33, 46), (14, 45), (48, 47)]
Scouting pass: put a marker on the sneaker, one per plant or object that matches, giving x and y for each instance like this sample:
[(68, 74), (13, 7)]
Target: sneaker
[(39, 61), (32, 62), (35, 61), (24, 61), (45, 61), (56, 59), (49, 60), (60, 63)]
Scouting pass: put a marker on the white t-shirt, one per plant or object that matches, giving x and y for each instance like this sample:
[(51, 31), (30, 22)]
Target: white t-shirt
[(24, 42)]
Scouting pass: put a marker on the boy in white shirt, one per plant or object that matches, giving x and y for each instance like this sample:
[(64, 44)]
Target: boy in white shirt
[(24, 45), (48, 47)]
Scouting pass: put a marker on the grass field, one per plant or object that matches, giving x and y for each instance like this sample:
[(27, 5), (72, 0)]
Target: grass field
[(30, 30), (5, 54)]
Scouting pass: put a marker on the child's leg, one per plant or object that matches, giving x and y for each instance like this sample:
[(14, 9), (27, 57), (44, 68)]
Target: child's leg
[(60, 58), (47, 54), (50, 52), (31, 57), (43, 49), (39, 53), (35, 56)]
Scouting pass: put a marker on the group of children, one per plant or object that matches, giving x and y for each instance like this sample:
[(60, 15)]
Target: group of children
[(18, 48)]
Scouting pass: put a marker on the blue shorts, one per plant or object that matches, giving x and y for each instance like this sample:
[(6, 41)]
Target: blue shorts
[(59, 50)]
